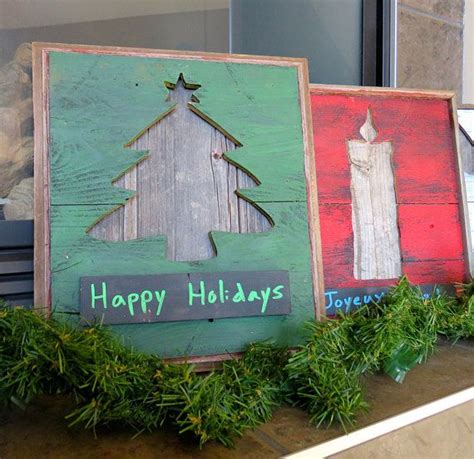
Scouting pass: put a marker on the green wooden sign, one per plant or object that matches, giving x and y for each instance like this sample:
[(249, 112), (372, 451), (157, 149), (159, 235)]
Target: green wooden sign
[(153, 162)]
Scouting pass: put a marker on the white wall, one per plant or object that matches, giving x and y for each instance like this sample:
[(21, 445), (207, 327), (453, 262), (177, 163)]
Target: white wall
[(468, 53)]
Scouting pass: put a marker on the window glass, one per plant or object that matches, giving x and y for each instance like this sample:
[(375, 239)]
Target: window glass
[(466, 138), (327, 32), (167, 24)]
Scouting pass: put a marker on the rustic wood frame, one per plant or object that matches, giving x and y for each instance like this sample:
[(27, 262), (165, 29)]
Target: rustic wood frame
[(450, 97), (42, 261)]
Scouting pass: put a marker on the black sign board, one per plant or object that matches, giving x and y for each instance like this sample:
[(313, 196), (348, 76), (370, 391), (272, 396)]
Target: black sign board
[(347, 299), (186, 296)]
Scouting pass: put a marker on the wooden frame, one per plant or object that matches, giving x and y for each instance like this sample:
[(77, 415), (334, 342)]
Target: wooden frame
[(449, 97), (42, 178)]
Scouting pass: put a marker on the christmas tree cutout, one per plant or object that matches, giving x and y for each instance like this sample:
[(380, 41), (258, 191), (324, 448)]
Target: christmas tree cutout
[(185, 188)]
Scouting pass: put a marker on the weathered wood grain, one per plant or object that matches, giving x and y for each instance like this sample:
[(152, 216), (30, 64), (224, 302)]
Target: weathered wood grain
[(185, 188), (419, 129), (422, 129), (77, 255), (374, 207), (126, 108), (167, 297), (431, 271), (336, 232), (100, 95), (431, 232), (42, 198), (418, 272)]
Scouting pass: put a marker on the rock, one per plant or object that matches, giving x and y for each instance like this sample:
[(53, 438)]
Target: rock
[(16, 120), (19, 203), (13, 120), (24, 110), (10, 128), (16, 163), (15, 84), (23, 56), (16, 152)]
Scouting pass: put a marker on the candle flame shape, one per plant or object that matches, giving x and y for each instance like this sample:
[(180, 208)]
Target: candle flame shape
[(367, 131)]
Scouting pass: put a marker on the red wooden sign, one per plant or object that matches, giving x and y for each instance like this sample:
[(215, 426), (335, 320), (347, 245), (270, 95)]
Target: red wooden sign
[(390, 197)]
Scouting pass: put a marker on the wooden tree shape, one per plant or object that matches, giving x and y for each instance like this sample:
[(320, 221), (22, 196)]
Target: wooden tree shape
[(185, 186), (374, 207)]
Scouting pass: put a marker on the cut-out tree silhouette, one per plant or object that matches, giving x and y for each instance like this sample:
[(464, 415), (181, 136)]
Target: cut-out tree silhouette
[(185, 187)]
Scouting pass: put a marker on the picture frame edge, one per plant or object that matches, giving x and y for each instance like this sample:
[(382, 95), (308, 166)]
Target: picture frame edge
[(42, 262)]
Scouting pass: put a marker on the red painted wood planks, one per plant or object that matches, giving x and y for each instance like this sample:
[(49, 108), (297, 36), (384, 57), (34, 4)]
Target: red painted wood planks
[(430, 232), (435, 272), (421, 133), (426, 180)]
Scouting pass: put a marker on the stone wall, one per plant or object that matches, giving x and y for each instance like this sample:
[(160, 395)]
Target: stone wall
[(16, 136), (430, 44)]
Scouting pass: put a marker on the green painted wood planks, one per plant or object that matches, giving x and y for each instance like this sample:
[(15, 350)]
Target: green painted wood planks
[(97, 103)]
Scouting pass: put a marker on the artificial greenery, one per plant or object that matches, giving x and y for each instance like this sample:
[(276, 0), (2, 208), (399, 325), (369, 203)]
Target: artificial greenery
[(113, 383), (325, 373), (224, 403)]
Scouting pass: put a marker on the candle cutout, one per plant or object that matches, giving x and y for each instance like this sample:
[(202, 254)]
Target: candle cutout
[(374, 206)]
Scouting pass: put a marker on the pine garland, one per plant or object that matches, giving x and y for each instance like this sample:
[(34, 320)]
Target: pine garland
[(325, 373), (113, 383)]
